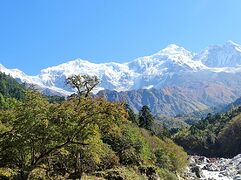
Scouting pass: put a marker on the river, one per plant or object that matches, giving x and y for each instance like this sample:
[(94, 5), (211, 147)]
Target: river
[(204, 168)]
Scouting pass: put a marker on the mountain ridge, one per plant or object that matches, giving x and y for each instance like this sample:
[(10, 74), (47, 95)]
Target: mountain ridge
[(143, 72), (195, 82)]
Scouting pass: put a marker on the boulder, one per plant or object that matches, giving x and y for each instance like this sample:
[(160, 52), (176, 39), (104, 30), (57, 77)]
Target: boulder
[(198, 171)]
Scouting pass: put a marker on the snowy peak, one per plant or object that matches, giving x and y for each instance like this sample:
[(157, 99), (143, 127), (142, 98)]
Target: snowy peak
[(172, 58), (175, 55), (112, 75), (218, 56), (232, 44), (16, 73), (174, 49), (144, 72), (173, 52)]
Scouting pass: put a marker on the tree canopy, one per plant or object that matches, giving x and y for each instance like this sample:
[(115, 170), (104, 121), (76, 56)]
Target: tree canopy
[(84, 84), (43, 139), (146, 119), (10, 91), (215, 135)]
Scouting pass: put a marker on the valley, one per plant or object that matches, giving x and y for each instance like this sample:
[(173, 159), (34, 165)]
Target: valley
[(193, 103), (120, 90)]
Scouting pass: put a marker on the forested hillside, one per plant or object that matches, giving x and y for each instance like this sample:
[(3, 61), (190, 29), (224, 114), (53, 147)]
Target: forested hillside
[(10, 91), (81, 136), (216, 135)]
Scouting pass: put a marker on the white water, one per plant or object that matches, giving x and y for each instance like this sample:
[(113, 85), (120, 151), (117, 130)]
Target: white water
[(214, 168)]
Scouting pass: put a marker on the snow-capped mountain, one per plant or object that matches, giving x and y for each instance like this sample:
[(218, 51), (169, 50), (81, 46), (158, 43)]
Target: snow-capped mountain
[(32, 80), (155, 70), (17, 74), (140, 73), (227, 55)]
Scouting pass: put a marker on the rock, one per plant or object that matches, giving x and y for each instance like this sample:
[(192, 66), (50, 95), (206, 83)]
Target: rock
[(214, 168), (191, 160), (198, 171), (223, 168), (203, 159), (150, 172), (238, 177)]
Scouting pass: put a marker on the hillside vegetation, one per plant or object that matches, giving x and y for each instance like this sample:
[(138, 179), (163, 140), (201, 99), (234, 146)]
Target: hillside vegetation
[(79, 137), (10, 91), (216, 135)]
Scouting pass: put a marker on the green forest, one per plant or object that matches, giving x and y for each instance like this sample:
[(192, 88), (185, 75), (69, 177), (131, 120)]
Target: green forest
[(86, 137), (217, 135), (10, 91), (80, 137)]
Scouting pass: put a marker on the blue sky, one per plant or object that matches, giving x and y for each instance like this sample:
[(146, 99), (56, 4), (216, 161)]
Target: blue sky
[(42, 33)]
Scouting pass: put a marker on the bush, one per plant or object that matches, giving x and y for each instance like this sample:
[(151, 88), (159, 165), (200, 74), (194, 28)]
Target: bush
[(130, 157), (38, 174), (162, 159), (6, 173), (167, 149), (166, 175), (109, 159), (130, 145), (123, 173)]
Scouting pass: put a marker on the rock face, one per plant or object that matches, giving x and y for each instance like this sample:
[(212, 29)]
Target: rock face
[(168, 101), (184, 98), (213, 168)]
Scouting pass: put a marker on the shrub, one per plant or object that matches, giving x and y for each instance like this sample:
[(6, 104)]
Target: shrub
[(109, 159), (162, 159), (6, 173), (130, 157)]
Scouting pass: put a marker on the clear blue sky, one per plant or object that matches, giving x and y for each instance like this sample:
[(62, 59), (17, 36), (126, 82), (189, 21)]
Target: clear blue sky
[(35, 34)]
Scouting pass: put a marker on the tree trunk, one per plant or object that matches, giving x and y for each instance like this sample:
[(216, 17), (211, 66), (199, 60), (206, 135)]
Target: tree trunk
[(77, 170), (24, 175)]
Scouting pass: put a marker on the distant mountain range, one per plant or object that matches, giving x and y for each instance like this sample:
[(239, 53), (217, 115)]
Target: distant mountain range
[(172, 81)]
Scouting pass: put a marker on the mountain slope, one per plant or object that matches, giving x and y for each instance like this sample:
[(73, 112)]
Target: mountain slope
[(232, 105), (21, 77), (204, 80), (168, 101), (10, 88), (227, 55), (144, 72), (177, 100), (10, 91), (216, 135)]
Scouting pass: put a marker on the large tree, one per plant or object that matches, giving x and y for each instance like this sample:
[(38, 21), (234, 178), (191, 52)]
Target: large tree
[(38, 134), (84, 84), (146, 119)]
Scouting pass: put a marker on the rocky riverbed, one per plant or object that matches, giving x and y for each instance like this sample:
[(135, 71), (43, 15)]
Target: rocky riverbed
[(204, 168)]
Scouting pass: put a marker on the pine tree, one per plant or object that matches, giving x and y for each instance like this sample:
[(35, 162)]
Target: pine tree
[(146, 119)]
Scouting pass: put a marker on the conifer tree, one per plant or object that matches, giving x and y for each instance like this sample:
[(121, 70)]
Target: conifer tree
[(146, 119)]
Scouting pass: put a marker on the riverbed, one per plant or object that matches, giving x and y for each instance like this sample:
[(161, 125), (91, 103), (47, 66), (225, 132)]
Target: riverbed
[(204, 168)]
